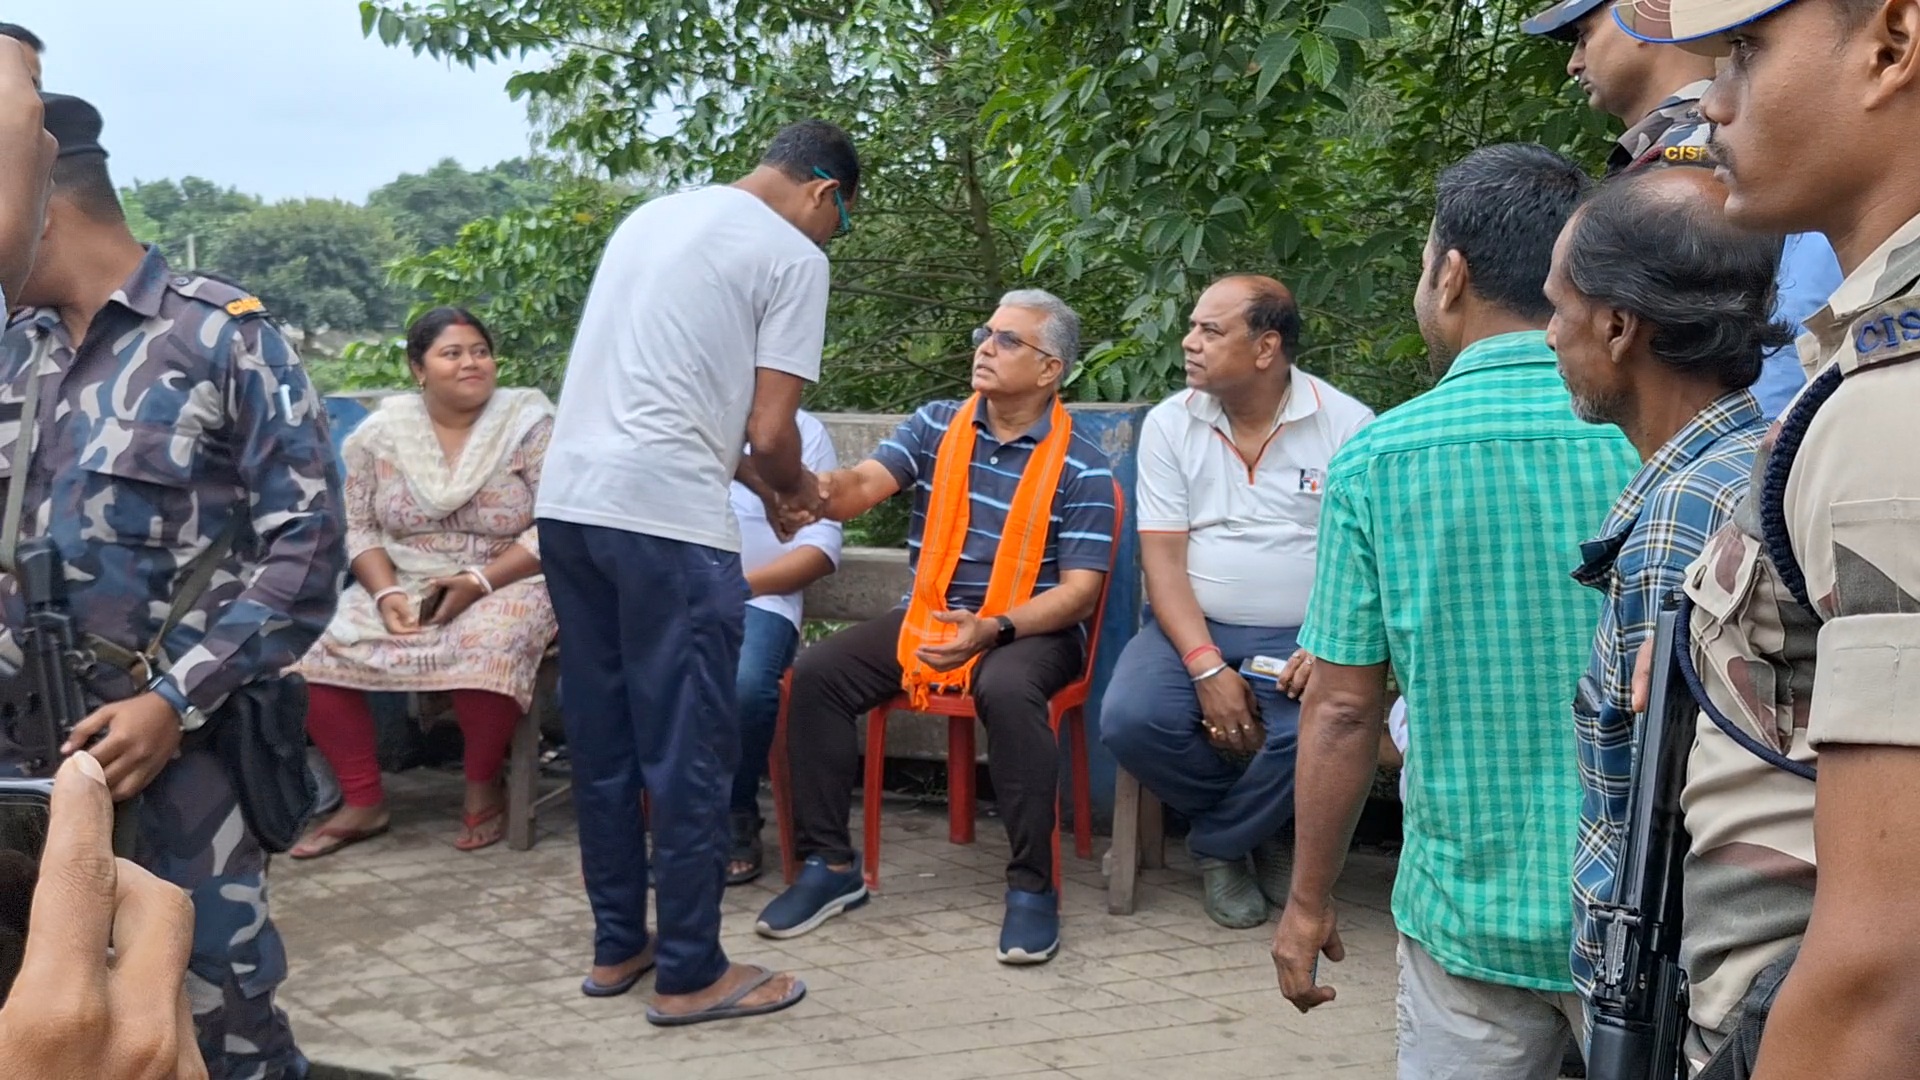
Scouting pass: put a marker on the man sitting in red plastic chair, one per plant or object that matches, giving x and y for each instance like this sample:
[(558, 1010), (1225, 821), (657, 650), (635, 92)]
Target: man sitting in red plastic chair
[(1011, 538)]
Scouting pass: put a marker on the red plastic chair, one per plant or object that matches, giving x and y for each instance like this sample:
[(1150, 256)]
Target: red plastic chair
[(1067, 707)]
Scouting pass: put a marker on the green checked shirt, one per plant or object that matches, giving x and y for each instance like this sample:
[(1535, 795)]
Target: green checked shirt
[(1448, 529)]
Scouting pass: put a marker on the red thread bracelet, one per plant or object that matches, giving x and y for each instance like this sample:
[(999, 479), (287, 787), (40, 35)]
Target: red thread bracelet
[(1201, 651)]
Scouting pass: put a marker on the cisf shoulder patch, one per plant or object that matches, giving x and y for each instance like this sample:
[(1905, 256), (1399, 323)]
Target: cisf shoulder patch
[(246, 305), (1884, 333)]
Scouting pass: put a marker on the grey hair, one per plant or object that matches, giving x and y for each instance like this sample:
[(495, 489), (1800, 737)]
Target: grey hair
[(1059, 333)]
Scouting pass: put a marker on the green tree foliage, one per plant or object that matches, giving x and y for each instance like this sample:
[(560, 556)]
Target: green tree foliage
[(1120, 154), (525, 273), (429, 209), (166, 213), (316, 262)]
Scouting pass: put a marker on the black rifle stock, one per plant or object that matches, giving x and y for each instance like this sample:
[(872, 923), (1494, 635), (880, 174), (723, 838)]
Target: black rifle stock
[(1640, 992)]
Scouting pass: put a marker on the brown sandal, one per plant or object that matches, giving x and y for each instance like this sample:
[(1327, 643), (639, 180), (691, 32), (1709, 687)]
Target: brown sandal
[(346, 837)]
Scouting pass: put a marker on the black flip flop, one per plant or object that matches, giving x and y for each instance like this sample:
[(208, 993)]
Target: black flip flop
[(729, 1007)]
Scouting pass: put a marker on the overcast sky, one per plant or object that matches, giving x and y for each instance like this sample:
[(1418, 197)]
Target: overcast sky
[(279, 98)]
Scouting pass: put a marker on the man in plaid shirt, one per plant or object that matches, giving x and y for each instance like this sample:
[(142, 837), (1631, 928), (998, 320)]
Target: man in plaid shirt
[(1661, 320)]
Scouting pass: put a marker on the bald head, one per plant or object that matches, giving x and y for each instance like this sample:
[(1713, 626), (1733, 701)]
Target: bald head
[(1268, 308), (1241, 337), (1682, 189), (1657, 244)]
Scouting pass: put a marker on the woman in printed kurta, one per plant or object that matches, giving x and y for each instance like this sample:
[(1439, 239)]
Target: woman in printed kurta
[(447, 593)]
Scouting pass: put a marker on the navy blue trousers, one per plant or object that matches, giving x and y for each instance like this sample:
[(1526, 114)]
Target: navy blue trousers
[(1150, 722), (650, 635)]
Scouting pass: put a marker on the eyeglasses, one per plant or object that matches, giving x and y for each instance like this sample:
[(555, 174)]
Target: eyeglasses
[(1005, 339), (846, 223)]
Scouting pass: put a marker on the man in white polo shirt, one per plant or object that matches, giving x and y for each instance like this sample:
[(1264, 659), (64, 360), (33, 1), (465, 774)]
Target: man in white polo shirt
[(705, 321), (1229, 514)]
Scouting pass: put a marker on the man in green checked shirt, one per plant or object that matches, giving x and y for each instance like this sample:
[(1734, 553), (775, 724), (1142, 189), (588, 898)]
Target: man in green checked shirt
[(1446, 535)]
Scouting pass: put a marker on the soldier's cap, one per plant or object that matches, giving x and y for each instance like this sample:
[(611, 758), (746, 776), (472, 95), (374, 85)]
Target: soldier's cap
[(1679, 22), (74, 124), (1561, 21)]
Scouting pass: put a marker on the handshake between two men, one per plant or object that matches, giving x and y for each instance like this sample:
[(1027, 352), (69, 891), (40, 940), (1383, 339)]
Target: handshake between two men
[(812, 501)]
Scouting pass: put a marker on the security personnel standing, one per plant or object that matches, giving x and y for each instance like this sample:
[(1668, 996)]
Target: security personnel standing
[(1655, 91), (173, 428), (1806, 624), (1634, 82)]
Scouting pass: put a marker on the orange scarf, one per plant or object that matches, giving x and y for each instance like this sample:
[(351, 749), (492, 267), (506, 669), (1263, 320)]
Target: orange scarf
[(1016, 566)]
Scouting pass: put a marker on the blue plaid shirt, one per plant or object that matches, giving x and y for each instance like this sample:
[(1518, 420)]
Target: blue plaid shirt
[(1659, 525)]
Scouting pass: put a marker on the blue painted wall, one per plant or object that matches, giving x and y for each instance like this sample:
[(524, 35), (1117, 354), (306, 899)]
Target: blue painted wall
[(1116, 429)]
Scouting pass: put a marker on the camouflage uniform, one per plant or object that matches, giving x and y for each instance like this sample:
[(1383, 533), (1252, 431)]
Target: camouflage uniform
[(183, 410), (1674, 132), (1853, 512)]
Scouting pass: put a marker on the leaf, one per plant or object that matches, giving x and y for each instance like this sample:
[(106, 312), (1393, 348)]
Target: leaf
[(390, 28), (1227, 204), (1274, 56), (1376, 13), (1081, 202), (1189, 251), (1344, 20), (1319, 58)]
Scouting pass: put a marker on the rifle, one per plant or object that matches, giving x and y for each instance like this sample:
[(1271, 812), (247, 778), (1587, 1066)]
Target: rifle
[(56, 700), (1640, 991)]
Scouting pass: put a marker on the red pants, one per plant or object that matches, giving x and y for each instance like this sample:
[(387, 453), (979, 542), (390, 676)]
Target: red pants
[(342, 727)]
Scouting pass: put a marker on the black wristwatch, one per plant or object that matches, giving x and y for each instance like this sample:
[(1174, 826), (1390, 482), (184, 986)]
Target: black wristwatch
[(1007, 631)]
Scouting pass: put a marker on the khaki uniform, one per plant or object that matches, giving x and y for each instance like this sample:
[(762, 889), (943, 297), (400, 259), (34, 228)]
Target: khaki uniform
[(1852, 510)]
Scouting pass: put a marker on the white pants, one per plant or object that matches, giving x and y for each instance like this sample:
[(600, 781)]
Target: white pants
[(1453, 1028)]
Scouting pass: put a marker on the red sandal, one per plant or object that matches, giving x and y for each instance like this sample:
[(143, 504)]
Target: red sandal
[(473, 821)]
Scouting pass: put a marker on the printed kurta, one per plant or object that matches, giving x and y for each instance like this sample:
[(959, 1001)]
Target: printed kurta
[(496, 644)]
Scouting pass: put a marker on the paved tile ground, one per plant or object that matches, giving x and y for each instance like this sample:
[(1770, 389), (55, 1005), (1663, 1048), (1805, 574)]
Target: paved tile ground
[(412, 959)]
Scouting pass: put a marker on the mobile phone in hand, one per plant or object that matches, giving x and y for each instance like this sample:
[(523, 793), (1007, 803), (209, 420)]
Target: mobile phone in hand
[(24, 806), (430, 603), (1263, 671)]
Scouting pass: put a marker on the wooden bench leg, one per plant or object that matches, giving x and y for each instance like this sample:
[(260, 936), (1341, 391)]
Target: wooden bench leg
[(523, 778), (1153, 831), (1124, 856)]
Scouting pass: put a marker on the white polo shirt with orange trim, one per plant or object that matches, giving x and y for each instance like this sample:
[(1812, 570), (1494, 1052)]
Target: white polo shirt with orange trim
[(1252, 527)]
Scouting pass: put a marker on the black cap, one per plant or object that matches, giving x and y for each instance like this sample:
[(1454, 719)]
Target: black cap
[(1558, 21), (74, 124)]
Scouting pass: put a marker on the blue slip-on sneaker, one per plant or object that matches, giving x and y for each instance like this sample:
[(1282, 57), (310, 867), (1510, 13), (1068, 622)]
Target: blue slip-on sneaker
[(1031, 932), (819, 895)]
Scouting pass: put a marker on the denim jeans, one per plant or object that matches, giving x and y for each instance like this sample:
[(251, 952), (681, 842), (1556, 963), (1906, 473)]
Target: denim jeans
[(764, 656)]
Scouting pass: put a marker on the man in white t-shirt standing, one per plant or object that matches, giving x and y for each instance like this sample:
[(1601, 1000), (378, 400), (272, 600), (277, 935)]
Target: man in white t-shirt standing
[(705, 321), (1228, 503), (777, 572)]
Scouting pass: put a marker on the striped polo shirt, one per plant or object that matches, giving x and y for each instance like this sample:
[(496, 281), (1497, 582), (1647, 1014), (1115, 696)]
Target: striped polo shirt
[(1080, 535)]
